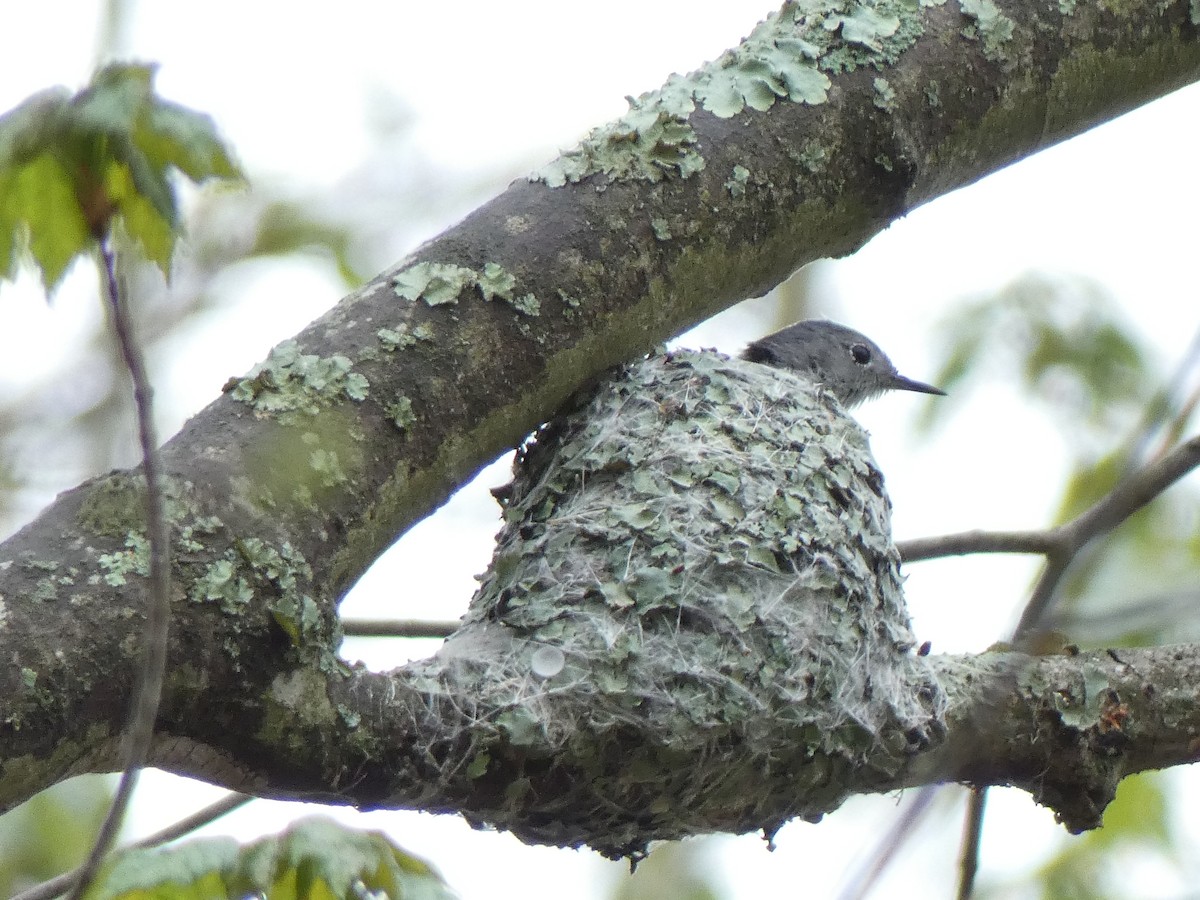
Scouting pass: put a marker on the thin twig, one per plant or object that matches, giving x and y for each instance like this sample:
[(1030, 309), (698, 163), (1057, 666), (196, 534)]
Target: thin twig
[(968, 860), (1061, 547), (403, 628), (55, 887), (965, 542), (1124, 500), (885, 851), (1159, 415), (144, 712)]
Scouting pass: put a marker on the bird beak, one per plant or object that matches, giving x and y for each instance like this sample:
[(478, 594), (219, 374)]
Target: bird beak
[(900, 383)]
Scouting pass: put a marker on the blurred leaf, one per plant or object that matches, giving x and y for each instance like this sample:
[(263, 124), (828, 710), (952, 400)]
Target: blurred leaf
[(1134, 823), (1089, 483), (678, 870), (71, 166), (313, 858), (1064, 341), (39, 209), (286, 227), (52, 832)]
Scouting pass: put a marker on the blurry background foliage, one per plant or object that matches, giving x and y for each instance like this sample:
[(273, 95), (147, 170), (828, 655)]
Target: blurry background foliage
[(1061, 339), (1117, 407)]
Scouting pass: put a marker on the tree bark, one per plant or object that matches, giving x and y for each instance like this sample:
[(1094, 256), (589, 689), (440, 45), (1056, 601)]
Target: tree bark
[(804, 142)]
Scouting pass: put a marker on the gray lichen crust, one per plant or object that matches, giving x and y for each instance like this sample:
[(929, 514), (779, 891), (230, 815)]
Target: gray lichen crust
[(697, 567)]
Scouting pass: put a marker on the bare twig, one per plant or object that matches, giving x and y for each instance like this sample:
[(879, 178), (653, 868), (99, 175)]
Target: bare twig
[(403, 628), (1061, 547), (1168, 413), (965, 542), (142, 715), (968, 859), (55, 887), (1124, 500), (885, 851)]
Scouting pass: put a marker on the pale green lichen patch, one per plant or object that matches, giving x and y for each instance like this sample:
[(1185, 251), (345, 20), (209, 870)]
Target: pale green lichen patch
[(736, 184), (290, 384), (221, 583), (45, 590), (133, 560), (646, 144), (496, 282), (401, 413), (323, 461), (865, 25), (991, 27), (766, 67), (403, 337), (661, 228), (437, 283), (527, 304), (813, 156), (190, 533), (253, 568), (787, 57), (885, 95)]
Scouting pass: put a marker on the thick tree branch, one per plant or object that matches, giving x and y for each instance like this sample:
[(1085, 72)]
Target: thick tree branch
[(284, 490)]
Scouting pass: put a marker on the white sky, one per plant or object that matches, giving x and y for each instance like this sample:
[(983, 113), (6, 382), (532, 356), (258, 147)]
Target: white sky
[(500, 87)]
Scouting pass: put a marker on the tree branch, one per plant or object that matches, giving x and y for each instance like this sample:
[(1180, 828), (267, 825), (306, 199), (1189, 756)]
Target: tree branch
[(1125, 499), (285, 489), (398, 628)]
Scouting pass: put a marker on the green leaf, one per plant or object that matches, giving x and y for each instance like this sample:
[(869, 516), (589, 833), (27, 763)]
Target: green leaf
[(41, 213), (143, 219), (72, 168), (314, 858), (174, 135)]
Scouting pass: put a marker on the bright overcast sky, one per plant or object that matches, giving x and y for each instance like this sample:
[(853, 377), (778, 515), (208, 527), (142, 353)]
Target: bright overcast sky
[(499, 87)]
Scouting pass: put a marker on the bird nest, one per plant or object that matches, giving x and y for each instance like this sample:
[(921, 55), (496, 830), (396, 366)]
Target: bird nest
[(697, 565)]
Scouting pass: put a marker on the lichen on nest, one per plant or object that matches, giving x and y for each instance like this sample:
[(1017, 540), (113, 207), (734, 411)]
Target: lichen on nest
[(704, 547)]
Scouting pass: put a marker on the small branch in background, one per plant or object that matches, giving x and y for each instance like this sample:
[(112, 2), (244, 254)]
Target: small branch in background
[(399, 628), (965, 542), (144, 711), (1061, 547), (1167, 414), (1124, 500), (968, 860), (885, 851)]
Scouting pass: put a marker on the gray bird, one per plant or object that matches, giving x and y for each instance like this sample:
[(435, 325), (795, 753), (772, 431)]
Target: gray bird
[(847, 363)]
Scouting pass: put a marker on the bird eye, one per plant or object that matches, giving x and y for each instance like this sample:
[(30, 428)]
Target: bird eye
[(861, 353)]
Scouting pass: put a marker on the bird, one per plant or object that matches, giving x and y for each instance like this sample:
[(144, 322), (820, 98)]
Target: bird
[(841, 359)]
